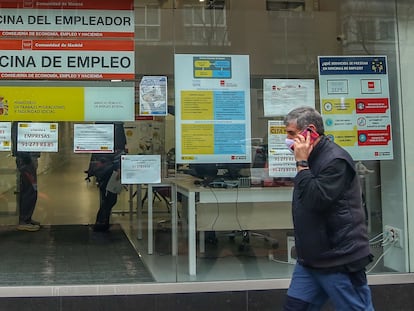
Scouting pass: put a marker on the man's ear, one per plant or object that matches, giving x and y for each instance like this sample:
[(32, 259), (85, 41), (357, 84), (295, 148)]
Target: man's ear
[(312, 127)]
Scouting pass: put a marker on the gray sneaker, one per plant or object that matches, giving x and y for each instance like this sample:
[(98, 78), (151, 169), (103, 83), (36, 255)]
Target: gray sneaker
[(28, 227), (34, 222)]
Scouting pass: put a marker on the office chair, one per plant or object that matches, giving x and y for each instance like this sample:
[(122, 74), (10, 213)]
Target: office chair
[(246, 236), (160, 193)]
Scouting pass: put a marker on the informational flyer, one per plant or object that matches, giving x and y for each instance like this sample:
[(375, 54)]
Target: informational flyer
[(153, 96), (282, 95), (140, 169), (212, 103), (281, 161), (5, 136), (93, 138), (355, 104), (37, 137)]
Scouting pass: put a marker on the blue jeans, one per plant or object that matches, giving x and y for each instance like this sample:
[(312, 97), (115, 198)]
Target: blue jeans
[(310, 289)]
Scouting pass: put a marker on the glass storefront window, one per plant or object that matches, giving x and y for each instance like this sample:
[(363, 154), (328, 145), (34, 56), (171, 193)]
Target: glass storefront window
[(230, 235)]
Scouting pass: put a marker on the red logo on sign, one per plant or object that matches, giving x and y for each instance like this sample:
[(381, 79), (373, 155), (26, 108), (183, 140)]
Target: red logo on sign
[(371, 84), (222, 82), (28, 4), (26, 44)]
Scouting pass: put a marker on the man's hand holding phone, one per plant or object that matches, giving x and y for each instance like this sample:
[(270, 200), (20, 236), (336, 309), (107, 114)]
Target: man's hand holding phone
[(304, 144), (311, 134)]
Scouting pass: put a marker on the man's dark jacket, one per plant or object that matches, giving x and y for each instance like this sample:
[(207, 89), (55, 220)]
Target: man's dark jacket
[(329, 220)]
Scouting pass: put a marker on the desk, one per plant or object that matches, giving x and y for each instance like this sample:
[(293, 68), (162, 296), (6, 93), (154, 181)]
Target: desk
[(185, 186)]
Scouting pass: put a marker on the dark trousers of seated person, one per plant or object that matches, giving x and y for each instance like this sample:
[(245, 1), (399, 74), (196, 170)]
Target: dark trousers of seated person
[(106, 203)]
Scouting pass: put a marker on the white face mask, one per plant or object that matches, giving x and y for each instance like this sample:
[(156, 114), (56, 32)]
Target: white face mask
[(289, 144)]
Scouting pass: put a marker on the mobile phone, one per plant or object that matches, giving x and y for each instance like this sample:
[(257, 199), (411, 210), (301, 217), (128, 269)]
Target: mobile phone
[(313, 134)]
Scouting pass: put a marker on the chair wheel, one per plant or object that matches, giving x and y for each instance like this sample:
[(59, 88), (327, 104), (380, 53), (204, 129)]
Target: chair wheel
[(246, 237)]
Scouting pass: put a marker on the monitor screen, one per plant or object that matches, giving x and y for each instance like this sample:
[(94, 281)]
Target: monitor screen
[(219, 170)]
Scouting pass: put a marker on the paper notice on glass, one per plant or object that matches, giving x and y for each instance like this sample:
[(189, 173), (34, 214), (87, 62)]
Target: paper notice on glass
[(153, 96), (356, 106), (37, 137), (5, 136), (282, 95), (140, 169), (212, 108), (93, 138), (281, 161)]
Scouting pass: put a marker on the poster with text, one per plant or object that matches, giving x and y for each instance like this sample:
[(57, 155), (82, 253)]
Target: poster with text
[(212, 108), (281, 161), (93, 138), (5, 136), (355, 104), (140, 169), (67, 103), (37, 137), (282, 95), (153, 96)]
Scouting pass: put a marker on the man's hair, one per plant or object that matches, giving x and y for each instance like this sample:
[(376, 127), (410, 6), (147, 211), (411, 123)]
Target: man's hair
[(303, 116)]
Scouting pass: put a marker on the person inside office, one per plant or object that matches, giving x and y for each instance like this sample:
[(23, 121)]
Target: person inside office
[(329, 220), (26, 163), (111, 167)]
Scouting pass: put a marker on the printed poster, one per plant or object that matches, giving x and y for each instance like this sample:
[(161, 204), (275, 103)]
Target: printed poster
[(140, 169), (153, 96), (67, 103), (355, 104), (282, 95), (212, 108), (93, 138), (5, 136), (37, 137), (281, 161)]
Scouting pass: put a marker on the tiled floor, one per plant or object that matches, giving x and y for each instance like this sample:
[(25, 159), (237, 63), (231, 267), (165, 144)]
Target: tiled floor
[(66, 198), (68, 255)]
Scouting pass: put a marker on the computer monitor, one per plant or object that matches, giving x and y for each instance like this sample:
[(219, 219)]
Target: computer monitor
[(211, 171)]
